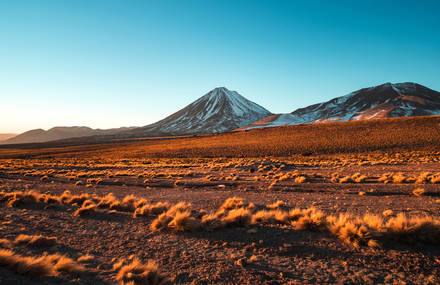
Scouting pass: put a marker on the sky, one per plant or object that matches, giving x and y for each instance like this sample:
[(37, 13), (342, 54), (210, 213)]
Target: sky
[(108, 64)]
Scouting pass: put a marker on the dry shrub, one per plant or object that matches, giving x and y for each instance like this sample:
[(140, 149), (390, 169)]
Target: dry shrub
[(77, 199), (418, 191), (237, 217), (232, 203), (151, 209), (63, 264), (106, 201), (18, 198), (270, 217), (161, 222), (183, 221), (179, 217), (85, 210), (45, 265), (399, 178), (272, 185), (85, 258), (335, 177), (36, 241), (387, 213), (5, 243), (435, 178), (352, 231), (386, 178), (310, 219), (300, 179), (138, 273), (128, 204), (346, 179), (278, 204), (358, 178), (424, 177), (413, 230)]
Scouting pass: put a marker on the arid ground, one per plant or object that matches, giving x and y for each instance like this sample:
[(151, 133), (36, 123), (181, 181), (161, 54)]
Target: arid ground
[(94, 217)]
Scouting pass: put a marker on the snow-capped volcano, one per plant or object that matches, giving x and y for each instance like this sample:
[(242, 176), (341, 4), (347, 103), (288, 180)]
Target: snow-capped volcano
[(383, 101), (220, 110)]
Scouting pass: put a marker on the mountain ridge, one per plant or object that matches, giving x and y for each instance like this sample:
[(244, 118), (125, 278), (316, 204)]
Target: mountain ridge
[(58, 133), (387, 100)]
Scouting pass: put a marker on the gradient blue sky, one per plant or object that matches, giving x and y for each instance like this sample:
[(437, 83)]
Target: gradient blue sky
[(130, 63)]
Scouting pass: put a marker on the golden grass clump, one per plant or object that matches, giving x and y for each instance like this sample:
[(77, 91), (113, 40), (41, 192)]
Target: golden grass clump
[(399, 178), (358, 178), (87, 258), (106, 201), (161, 222), (335, 177), (85, 210), (418, 191), (413, 230), (424, 177), (300, 179), (309, 219), (183, 221), (137, 272), (18, 198), (237, 217), (352, 231), (179, 218), (387, 213), (278, 204), (232, 203), (35, 240), (274, 216), (151, 209), (346, 179), (45, 265), (5, 243), (386, 178), (128, 204)]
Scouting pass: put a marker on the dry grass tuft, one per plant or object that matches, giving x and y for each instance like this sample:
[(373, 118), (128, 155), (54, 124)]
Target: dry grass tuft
[(310, 219), (85, 258), (358, 178), (418, 191), (270, 217), (300, 179), (151, 209), (277, 205), (183, 221), (35, 241), (413, 230), (237, 217), (45, 265), (85, 210), (138, 273), (5, 243)]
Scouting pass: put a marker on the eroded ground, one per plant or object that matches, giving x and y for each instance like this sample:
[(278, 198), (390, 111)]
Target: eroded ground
[(248, 250)]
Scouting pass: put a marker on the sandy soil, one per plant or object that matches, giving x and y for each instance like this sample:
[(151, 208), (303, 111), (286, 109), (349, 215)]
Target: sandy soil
[(271, 254)]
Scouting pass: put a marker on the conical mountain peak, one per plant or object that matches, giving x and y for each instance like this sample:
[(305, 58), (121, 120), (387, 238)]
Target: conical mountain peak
[(219, 110)]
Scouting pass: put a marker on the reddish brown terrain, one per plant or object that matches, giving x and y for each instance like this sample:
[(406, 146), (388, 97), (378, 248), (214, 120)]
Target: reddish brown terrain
[(306, 218)]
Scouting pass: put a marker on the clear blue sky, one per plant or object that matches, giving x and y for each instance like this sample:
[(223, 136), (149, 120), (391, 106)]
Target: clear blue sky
[(130, 63)]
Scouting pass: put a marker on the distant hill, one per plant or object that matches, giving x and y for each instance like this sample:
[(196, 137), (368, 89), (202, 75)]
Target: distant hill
[(58, 133), (384, 101), (6, 136)]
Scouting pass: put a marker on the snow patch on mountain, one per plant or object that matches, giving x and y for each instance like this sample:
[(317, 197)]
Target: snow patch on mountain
[(382, 101)]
